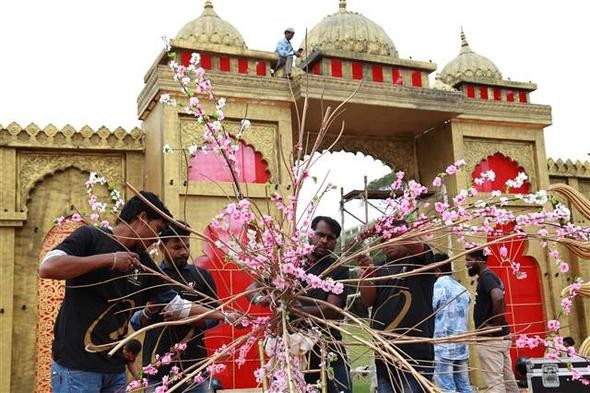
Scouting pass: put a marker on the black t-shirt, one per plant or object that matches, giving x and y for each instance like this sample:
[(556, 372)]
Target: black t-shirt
[(483, 310), (89, 315), (339, 273), (159, 341), (404, 305)]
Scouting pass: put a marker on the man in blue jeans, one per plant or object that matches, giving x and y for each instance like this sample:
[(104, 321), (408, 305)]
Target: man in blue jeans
[(105, 280), (451, 305)]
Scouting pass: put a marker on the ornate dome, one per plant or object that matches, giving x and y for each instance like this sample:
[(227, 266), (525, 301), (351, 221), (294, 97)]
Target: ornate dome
[(469, 64), (209, 28), (352, 32)]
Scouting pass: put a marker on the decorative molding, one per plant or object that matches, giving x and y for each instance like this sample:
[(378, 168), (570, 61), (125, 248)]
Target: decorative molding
[(34, 166), (33, 136), (568, 168), (261, 136), (477, 150), (397, 153)]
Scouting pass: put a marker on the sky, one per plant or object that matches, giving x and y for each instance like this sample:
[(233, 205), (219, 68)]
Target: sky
[(83, 62)]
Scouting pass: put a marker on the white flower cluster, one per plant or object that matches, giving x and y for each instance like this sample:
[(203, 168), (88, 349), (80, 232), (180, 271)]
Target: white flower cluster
[(518, 181), (166, 99), (538, 198)]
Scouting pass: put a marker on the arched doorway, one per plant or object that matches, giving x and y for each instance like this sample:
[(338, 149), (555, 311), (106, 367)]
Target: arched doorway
[(52, 197)]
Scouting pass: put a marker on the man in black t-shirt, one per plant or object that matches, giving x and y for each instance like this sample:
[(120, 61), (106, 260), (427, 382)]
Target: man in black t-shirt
[(326, 233), (401, 306), (175, 246), (494, 354), (105, 280)]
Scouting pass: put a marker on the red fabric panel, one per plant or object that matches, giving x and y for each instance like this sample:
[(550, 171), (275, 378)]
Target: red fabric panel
[(224, 64), (470, 91), (416, 79), (336, 66), (242, 65), (206, 61), (497, 94), (522, 97), (317, 68), (185, 59), (483, 92), (396, 76), (377, 73), (230, 281), (509, 95), (357, 70), (260, 68)]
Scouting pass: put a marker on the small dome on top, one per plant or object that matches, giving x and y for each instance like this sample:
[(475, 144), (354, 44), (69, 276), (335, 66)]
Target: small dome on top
[(469, 64), (209, 28), (351, 32)]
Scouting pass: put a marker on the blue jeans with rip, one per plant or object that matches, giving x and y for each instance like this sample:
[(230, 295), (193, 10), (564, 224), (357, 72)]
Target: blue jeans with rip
[(452, 375), (67, 380)]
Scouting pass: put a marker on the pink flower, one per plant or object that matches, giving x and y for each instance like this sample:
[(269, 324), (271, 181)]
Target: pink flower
[(553, 325), (166, 359), (451, 170), (503, 251), (437, 182), (179, 347), (521, 342), (76, 217), (564, 267), (199, 378), (60, 220), (94, 216)]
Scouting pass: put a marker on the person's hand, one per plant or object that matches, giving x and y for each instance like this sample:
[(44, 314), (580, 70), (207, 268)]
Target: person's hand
[(150, 309), (366, 232), (366, 266), (261, 300), (124, 261), (234, 319), (395, 251)]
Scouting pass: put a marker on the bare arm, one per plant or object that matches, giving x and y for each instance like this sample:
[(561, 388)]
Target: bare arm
[(367, 289), (64, 267), (324, 311), (132, 367)]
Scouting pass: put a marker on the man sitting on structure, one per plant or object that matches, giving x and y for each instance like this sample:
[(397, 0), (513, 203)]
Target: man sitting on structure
[(285, 52)]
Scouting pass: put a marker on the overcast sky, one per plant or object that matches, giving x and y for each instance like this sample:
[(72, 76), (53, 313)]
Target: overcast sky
[(83, 62)]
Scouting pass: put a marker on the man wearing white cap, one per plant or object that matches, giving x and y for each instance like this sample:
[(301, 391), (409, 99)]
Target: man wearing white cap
[(286, 53)]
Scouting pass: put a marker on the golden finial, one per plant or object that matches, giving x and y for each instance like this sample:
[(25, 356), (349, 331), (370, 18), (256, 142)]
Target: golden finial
[(208, 9), (342, 5)]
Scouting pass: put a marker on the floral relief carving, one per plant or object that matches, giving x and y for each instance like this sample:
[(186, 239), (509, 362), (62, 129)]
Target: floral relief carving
[(397, 153), (34, 166)]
